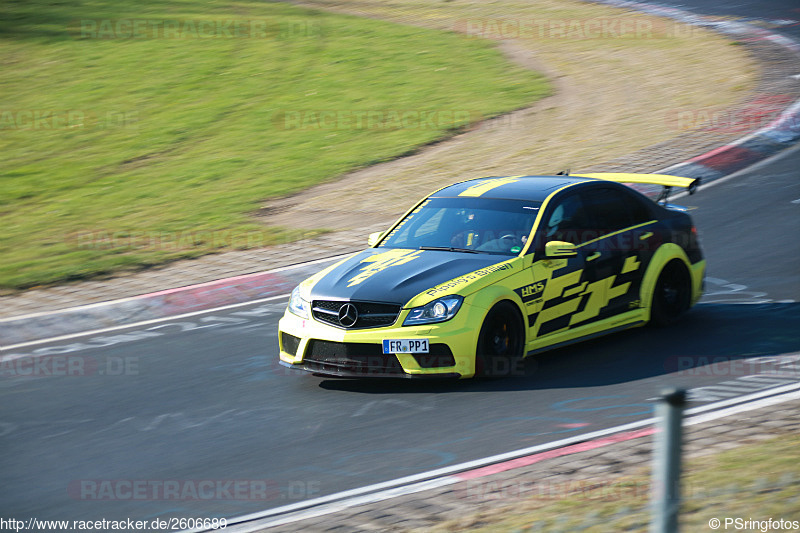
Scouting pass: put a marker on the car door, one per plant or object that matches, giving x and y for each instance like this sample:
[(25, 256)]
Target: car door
[(619, 255), (562, 293)]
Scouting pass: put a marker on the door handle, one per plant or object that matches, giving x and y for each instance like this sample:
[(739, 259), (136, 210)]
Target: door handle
[(594, 256), (645, 236)]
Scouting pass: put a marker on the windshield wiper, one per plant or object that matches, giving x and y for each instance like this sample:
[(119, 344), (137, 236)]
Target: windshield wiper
[(451, 249)]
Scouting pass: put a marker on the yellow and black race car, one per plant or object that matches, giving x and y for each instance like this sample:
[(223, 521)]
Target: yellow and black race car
[(484, 272)]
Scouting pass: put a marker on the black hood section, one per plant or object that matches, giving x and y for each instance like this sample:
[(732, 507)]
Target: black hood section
[(396, 275)]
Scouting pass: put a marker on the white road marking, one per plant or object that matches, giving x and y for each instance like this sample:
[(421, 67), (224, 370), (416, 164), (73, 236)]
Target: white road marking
[(428, 405), (755, 166), (139, 324), (722, 291)]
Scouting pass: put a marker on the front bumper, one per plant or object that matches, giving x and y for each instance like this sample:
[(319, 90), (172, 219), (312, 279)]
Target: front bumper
[(339, 371), (310, 345)]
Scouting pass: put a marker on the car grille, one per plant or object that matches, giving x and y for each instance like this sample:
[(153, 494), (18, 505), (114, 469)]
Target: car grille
[(355, 357), (370, 314)]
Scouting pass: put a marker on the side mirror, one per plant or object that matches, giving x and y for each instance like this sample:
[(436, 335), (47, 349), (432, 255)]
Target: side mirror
[(560, 249), (373, 238)]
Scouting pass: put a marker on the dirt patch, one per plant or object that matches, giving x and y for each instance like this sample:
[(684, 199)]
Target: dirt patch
[(614, 94)]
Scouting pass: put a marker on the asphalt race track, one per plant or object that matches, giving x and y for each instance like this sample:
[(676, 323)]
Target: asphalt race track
[(202, 398)]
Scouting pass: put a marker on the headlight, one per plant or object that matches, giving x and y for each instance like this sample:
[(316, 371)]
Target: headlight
[(437, 311), (297, 305)]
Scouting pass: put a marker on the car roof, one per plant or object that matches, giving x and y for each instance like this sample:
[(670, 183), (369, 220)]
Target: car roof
[(532, 188)]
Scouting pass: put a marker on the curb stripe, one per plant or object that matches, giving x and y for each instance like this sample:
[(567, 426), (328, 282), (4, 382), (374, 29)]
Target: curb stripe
[(126, 312), (552, 454), (728, 159)]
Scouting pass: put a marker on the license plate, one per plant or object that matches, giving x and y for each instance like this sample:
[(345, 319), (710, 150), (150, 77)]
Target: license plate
[(405, 346)]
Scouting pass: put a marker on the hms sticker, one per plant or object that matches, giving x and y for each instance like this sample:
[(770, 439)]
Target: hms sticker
[(531, 292)]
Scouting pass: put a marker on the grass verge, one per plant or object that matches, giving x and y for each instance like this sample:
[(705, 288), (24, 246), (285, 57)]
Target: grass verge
[(135, 133), (751, 482)]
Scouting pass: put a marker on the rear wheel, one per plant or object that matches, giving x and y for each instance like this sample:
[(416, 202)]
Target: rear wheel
[(672, 295), (501, 341)]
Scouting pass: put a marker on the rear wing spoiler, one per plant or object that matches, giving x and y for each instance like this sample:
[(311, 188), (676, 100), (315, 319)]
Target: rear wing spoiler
[(664, 180)]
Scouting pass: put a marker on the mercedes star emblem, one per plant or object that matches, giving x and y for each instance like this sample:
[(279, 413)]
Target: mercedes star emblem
[(348, 315)]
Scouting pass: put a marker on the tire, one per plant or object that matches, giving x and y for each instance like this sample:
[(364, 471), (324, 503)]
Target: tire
[(501, 342), (672, 294)]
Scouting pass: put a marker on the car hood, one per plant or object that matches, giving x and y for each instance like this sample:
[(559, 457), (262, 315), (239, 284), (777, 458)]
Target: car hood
[(396, 275)]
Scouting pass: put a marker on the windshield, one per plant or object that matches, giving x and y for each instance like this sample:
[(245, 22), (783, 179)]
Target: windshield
[(479, 225)]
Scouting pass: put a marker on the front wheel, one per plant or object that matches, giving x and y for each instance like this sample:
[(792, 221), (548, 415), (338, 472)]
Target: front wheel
[(672, 295), (501, 341)]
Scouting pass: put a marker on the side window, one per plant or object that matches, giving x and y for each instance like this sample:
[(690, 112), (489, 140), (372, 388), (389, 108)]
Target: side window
[(569, 221), (611, 209), (638, 209)]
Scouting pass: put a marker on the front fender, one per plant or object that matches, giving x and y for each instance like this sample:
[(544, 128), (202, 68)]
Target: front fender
[(491, 296)]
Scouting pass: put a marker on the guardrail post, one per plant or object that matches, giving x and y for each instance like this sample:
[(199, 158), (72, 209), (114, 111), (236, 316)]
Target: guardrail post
[(666, 482)]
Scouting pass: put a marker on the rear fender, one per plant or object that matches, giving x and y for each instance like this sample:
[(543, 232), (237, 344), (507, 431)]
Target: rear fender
[(664, 254)]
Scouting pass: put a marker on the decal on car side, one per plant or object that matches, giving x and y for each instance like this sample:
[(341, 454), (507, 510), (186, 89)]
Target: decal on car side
[(568, 300), (531, 292), (453, 283)]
